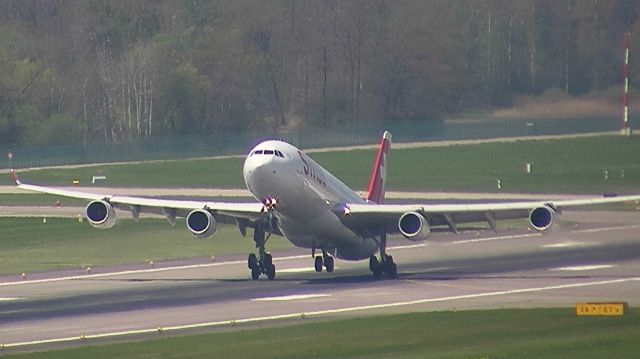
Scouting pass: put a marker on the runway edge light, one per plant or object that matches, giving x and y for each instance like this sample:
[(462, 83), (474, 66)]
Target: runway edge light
[(602, 309)]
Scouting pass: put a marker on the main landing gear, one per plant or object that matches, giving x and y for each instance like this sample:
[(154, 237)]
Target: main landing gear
[(385, 264), (263, 263), (324, 261)]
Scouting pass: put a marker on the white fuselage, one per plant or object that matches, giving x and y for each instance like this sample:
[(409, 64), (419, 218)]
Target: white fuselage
[(306, 193)]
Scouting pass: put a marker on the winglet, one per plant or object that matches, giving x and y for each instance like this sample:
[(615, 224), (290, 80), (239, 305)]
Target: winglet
[(379, 174), (16, 179)]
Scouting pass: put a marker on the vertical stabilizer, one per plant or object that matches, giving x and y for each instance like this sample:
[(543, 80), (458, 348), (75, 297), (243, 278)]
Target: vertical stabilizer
[(379, 174)]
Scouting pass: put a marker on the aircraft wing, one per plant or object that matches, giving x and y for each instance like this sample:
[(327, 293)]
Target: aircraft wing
[(362, 216), (224, 212)]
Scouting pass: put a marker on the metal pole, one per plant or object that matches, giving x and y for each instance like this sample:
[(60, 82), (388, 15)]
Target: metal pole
[(625, 130)]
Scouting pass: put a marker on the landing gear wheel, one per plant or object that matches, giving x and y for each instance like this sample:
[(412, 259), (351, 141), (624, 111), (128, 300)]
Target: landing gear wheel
[(376, 267), (329, 264), (385, 265), (271, 272), (255, 273), (377, 273), (268, 260), (373, 263), (391, 268), (318, 264), (252, 262)]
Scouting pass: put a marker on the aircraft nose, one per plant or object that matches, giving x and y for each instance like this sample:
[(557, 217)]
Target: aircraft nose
[(259, 174)]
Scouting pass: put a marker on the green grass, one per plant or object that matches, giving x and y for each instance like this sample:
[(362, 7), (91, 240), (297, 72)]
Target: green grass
[(28, 245), (38, 199), (495, 334), (560, 166), (226, 172)]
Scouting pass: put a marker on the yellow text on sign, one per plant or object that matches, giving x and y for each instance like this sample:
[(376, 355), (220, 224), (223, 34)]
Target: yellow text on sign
[(606, 309)]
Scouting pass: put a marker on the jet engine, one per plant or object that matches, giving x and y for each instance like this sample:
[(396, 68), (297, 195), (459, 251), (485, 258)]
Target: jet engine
[(541, 218), (100, 214), (414, 226), (201, 223)]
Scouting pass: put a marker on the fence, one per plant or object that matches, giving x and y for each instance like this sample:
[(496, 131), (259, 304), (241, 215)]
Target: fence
[(179, 147)]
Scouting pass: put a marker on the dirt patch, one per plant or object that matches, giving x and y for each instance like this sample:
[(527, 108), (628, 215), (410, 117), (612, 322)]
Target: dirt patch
[(558, 104)]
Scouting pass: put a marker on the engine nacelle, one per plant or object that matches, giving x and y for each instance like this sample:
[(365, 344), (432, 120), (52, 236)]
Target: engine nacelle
[(414, 226), (201, 223), (100, 214), (541, 218)]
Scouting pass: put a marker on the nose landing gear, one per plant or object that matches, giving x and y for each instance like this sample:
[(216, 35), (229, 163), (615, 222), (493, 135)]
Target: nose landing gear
[(263, 263), (264, 266)]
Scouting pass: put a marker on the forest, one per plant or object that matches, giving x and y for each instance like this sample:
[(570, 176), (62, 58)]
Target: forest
[(111, 71)]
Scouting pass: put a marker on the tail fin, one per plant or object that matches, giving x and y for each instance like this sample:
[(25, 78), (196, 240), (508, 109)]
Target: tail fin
[(15, 177), (379, 174)]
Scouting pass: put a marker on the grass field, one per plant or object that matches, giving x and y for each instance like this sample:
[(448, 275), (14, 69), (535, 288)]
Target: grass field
[(38, 199), (559, 166), (532, 333), (28, 244)]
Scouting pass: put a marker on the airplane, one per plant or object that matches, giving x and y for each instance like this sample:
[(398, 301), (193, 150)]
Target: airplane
[(300, 200)]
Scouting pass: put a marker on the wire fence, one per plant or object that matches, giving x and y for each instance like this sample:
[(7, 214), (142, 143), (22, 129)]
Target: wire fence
[(193, 146)]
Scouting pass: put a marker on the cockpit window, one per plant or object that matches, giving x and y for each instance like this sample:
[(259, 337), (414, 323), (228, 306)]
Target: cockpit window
[(267, 152)]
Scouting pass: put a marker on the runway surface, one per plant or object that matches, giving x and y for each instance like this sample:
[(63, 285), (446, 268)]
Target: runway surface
[(592, 256)]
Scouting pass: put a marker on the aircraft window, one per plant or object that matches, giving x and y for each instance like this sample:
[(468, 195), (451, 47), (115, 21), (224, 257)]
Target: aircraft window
[(279, 154), (268, 152), (258, 152)]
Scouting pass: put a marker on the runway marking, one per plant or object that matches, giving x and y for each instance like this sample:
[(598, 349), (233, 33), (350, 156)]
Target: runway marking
[(164, 269), (501, 238), (322, 312), (290, 297), (584, 268), (297, 270), (568, 245), (6, 299), (409, 246), (207, 265), (138, 271), (594, 230)]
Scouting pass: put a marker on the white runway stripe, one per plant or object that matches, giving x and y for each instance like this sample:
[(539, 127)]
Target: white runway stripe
[(409, 246), (501, 238), (139, 271), (297, 270), (567, 245), (290, 297), (594, 230), (584, 268)]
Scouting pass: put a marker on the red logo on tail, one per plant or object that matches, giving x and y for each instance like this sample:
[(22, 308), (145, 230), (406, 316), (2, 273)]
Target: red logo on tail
[(379, 174)]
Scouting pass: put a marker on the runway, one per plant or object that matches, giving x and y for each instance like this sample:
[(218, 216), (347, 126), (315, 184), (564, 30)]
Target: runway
[(591, 256)]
